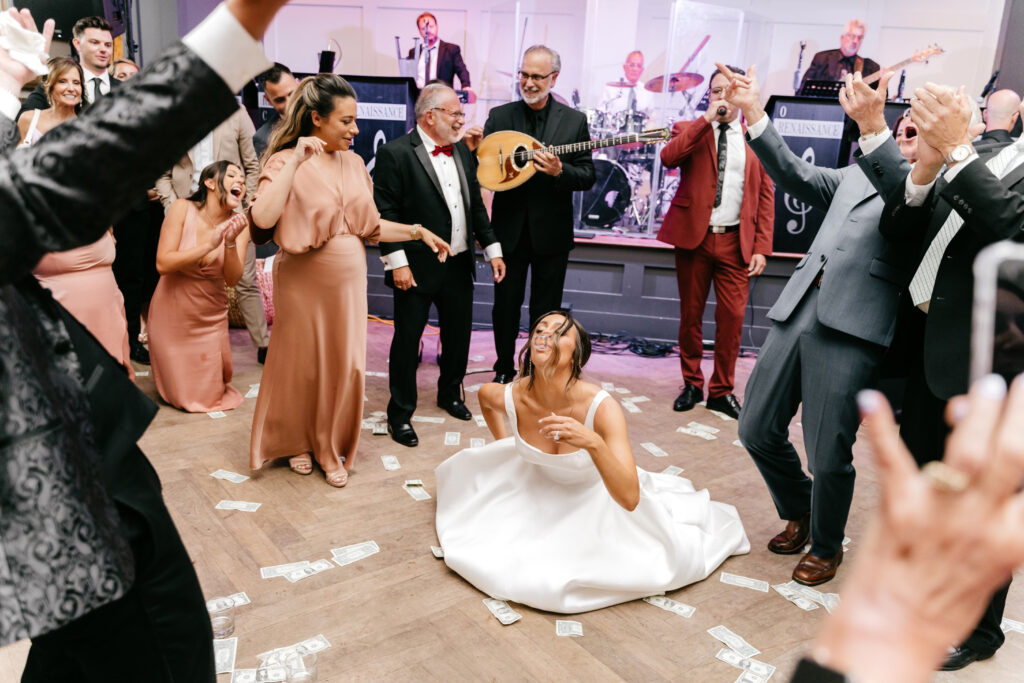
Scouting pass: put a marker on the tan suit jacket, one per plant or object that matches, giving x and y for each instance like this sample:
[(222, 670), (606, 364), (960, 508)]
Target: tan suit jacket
[(232, 141)]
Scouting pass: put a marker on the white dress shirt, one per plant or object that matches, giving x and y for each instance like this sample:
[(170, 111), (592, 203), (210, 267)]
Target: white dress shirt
[(423, 78), (448, 176), (87, 87), (728, 211)]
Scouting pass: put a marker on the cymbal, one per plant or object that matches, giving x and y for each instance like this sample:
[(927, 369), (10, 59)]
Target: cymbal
[(677, 82), (620, 84)]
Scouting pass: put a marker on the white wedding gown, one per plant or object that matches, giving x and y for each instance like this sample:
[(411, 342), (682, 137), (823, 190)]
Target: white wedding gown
[(542, 529)]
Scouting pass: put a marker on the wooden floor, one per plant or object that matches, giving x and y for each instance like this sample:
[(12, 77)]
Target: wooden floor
[(402, 615)]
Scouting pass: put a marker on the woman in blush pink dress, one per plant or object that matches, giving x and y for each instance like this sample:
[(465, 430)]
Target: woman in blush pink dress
[(315, 200), (202, 247), (80, 279)]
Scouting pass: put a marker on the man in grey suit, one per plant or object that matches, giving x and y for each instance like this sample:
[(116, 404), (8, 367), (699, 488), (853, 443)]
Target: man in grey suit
[(831, 325)]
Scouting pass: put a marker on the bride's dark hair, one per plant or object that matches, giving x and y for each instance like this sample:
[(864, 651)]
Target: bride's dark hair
[(580, 352)]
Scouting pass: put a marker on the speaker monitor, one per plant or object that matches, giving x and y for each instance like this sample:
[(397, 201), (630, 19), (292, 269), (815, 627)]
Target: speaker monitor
[(66, 12)]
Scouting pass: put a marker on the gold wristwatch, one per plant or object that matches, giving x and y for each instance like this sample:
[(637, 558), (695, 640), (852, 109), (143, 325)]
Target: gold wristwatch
[(414, 231)]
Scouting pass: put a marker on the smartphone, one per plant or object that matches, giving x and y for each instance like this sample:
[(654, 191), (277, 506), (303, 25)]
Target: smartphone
[(997, 325)]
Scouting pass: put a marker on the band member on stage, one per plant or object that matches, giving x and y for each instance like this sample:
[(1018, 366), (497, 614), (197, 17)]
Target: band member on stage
[(629, 93), (722, 233), (833, 65), (429, 177), (535, 220), (439, 60)]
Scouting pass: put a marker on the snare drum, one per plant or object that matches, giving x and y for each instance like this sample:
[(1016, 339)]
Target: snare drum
[(607, 201)]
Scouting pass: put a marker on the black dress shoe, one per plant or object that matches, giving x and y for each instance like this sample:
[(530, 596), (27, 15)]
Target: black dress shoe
[(690, 397), (961, 656), (455, 408), (261, 355), (727, 404), (138, 353), (404, 434), (504, 377)]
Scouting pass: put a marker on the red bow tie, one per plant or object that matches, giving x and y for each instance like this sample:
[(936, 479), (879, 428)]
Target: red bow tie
[(443, 149)]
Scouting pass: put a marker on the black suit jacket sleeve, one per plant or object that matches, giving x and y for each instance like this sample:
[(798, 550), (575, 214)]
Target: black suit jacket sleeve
[(459, 66), (577, 168), (82, 176), (987, 206), (480, 222), (903, 224), (387, 193)]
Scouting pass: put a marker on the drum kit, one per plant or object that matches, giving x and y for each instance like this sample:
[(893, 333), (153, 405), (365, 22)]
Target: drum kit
[(622, 196)]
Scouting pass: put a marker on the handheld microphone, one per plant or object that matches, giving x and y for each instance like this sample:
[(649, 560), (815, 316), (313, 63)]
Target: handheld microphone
[(991, 85), (722, 111)]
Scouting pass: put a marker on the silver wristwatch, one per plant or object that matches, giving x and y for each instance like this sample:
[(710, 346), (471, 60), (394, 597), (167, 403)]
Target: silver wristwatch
[(959, 153)]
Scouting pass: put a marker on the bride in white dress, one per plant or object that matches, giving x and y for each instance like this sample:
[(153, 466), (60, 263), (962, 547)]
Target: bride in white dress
[(555, 514)]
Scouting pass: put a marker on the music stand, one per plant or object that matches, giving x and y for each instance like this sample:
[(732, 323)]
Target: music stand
[(829, 89)]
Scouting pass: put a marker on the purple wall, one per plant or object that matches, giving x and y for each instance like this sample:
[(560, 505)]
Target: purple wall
[(191, 12)]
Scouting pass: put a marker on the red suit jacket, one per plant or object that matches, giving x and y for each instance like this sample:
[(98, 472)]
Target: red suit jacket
[(692, 150)]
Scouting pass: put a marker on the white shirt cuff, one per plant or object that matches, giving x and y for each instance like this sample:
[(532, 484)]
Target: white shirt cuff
[(952, 172), (396, 259), (493, 251), (227, 48), (755, 130), (872, 142), (9, 105), (915, 194)]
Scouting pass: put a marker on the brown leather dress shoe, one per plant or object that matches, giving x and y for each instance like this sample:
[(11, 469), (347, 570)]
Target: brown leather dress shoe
[(812, 570), (793, 538)]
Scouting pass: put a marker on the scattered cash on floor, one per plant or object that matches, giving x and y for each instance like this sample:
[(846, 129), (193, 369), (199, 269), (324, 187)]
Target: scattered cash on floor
[(438, 551), (238, 599), (452, 438), (380, 429), (241, 505), (217, 414), (226, 475), (563, 627), (750, 677), (477, 443), (416, 492), (622, 390), (739, 443), (704, 428), (670, 605), (502, 612), (243, 676), (608, 386), (637, 399), (352, 553), (224, 651), (390, 462), (425, 418), (254, 391), (731, 658), (653, 450), (281, 569), (472, 388), (672, 470), (744, 582), (305, 572), (696, 432), (480, 421), (372, 373), (142, 373), (631, 407), (733, 641), (722, 416), (277, 657), (803, 603), (1007, 625)]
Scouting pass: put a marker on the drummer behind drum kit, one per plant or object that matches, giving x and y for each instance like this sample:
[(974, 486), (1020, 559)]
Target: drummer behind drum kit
[(621, 195)]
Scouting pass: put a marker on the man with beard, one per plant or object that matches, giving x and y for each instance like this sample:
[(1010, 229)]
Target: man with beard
[(535, 220), (278, 85), (429, 176), (834, 65)]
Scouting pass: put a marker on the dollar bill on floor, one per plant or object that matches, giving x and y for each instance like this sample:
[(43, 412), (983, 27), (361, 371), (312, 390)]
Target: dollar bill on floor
[(473, 388), (731, 658), (236, 600), (142, 373), (390, 462), (639, 399), (438, 551), (750, 677), (477, 443), (224, 651), (413, 482), (795, 598), (653, 450), (696, 432), (1007, 625), (807, 592), (744, 582), (243, 676), (240, 505), (608, 386), (670, 605), (305, 572), (475, 359), (380, 429), (353, 553), (417, 492), (631, 407), (722, 416), (368, 423), (703, 427), (379, 414), (227, 475), (480, 421), (672, 470), (254, 391), (317, 643), (733, 641), (281, 569), (502, 612), (426, 418), (373, 373), (564, 627), (622, 390), (217, 414), (452, 438), (830, 601), (739, 443)]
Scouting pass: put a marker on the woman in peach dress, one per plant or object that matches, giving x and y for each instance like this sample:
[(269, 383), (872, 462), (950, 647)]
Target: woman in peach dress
[(80, 279), (202, 247), (315, 200)]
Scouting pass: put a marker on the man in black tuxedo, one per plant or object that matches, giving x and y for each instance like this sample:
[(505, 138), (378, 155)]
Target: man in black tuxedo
[(429, 177), (978, 201), (94, 44), (833, 65), (535, 220), (1002, 111), (439, 60)]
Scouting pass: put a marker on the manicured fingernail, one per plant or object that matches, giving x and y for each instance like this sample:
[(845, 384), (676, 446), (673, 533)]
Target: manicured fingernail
[(992, 386), (960, 411), (868, 401)]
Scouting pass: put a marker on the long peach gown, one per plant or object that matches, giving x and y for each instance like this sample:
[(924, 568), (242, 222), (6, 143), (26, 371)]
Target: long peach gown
[(311, 393), (82, 281), (188, 333)]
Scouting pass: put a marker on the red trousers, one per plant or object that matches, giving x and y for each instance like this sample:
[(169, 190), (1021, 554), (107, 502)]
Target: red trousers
[(717, 259)]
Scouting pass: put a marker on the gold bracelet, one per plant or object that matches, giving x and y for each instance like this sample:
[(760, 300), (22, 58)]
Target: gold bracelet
[(414, 231)]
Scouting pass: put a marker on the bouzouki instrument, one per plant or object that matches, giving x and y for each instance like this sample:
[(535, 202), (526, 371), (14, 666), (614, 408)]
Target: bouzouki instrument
[(506, 157), (919, 56)]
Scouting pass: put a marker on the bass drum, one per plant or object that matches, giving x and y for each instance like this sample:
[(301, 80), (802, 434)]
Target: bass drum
[(608, 200)]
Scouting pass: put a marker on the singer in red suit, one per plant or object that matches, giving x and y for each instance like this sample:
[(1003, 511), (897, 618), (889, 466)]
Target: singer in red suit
[(720, 223)]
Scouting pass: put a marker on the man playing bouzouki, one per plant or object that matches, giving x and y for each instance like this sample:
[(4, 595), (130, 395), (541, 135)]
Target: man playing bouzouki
[(534, 221)]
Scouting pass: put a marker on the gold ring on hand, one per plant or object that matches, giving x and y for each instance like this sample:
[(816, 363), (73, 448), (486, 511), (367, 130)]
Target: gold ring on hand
[(945, 477)]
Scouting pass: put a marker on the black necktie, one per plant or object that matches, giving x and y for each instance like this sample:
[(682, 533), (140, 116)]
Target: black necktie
[(96, 93), (722, 158)]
